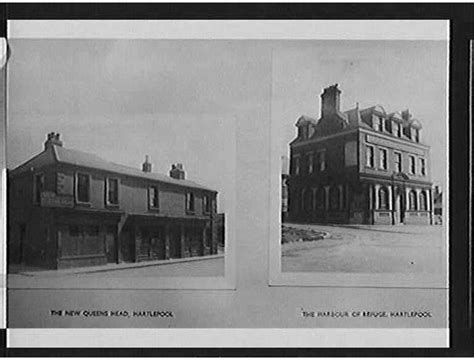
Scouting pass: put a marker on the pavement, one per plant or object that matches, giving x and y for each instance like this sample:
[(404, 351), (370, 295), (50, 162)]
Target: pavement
[(212, 265), (369, 249)]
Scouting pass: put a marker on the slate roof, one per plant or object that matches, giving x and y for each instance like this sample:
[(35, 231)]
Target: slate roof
[(78, 158)]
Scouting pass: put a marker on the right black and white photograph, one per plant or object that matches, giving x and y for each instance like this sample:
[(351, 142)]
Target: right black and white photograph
[(362, 141)]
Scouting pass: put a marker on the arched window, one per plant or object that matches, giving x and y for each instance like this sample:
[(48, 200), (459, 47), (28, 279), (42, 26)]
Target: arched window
[(423, 201), (383, 198), (320, 199), (412, 200), (334, 198), (308, 200)]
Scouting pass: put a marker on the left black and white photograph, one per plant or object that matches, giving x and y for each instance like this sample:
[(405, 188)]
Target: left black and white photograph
[(120, 161)]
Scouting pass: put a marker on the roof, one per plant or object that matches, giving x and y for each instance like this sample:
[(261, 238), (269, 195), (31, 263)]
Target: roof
[(63, 155)]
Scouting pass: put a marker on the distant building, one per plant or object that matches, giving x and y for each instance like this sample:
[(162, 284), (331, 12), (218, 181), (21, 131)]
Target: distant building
[(67, 208), (284, 188), (362, 166), (438, 205)]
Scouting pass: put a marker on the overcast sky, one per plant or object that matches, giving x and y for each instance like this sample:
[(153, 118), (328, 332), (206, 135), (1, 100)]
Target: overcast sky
[(181, 101)]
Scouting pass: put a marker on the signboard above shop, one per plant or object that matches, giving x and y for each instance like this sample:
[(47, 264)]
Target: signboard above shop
[(50, 199)]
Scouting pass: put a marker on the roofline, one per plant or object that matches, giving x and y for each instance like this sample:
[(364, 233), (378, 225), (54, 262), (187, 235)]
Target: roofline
[(405, 141), (318, 139)]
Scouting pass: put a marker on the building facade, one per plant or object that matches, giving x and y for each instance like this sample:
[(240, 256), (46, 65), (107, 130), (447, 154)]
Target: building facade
[(361, 166), (67, 208)]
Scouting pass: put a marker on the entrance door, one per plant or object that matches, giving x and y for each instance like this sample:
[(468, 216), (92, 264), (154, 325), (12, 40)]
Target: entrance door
[(398, 209), (111, 245), (175, 242)]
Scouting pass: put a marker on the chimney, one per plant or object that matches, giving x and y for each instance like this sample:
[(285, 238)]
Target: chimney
[(53, 139), (330, 100), (146, 166), (177, 171)]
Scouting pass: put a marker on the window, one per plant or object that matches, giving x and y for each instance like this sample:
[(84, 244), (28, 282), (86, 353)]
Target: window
[(397, 129), (380, 124), (82, 188), (322, 160), (190, 202), (388, 125), (310, 163), (416, 135), (383, 159), (320, 199), (153, 197), (334, 198), (383, 198), (370, 156), (206, 204), (412, 164), (39, 187), (398, 162), (423, 201), (296, 165), (112, 189), (412, 200), (422, 166)]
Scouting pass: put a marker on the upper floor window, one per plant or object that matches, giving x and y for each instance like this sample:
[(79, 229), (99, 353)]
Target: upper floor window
[(296, 165), (153, 197), (398, 162), (383, 159), (206, 204), (38, 187), (190, 202), (112, 191), (83, 182), (383, 198), (422, 166), (412, 164), (388, 125), (370, 155), (310, 163), (322, 160)]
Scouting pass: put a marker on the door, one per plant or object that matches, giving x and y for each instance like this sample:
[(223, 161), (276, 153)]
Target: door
[(158, 244), (398, 209), (175, 242), (111, 245)]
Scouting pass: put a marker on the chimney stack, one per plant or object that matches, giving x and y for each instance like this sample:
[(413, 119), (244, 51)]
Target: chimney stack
[(177, 171), (146, 166), (330, 100), (53, 139)]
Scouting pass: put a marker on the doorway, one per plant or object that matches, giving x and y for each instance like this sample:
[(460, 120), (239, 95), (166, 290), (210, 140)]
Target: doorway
[(111, 244)]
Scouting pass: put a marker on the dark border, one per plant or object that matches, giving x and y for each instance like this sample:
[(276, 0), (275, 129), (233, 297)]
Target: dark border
[(462, 30)]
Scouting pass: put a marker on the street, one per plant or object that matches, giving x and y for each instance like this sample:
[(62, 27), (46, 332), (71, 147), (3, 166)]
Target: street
[(369, 249)]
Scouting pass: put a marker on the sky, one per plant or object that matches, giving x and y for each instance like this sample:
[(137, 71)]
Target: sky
[(185, 100), (398, 75)]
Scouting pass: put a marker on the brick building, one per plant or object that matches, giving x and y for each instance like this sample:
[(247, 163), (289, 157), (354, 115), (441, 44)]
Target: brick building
[(361, 166), (67, 209)]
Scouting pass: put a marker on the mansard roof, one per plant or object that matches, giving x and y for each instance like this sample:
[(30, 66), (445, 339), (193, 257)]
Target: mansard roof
[(305, 119), (58, 154)]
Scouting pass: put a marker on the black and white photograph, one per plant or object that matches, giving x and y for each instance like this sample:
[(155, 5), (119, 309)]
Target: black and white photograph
[(233, 182), (120, 160), (364, 159)]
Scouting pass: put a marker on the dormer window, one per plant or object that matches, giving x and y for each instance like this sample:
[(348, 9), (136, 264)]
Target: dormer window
[(303, 131), (398, 129), (388, 125), (380, 124), (416, 134)]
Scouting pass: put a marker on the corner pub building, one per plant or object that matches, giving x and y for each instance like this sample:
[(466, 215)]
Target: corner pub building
[(361, 166), (68, 209)]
